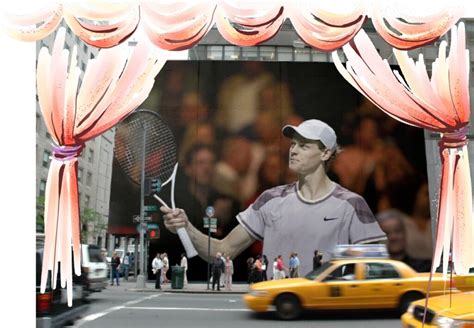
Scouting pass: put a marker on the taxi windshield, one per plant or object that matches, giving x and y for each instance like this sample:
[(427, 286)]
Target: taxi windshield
[(315, 273)]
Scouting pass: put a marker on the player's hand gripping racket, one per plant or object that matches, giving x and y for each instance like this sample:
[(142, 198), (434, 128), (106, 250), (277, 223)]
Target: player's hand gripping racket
[(144, 135)]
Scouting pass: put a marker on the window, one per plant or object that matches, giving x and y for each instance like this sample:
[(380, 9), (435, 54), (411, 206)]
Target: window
[(302, 54), (87, 199), (79, 174), (318, 56), (285, 54), (231, 53), (42, 187), (250, 53), (380, 271), (343, 272), (46, 158), (90, 158), (267, 53), (214, 52), (89, 179)]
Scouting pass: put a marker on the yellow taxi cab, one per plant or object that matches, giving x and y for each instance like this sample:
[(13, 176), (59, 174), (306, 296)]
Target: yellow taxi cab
[(449, 311), (357, 277)]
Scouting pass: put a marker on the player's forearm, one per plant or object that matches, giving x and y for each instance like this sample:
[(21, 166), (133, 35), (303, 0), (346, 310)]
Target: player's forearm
[(201, 243), (232, 245)]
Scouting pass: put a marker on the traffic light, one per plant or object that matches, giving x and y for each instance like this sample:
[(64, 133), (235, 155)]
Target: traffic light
[(155, 185), (153, 233)]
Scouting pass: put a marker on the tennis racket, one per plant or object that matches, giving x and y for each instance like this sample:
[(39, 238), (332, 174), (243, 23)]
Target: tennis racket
[(159, 151)]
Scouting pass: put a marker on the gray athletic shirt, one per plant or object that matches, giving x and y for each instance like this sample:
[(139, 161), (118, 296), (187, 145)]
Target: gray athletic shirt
[(287, 223)]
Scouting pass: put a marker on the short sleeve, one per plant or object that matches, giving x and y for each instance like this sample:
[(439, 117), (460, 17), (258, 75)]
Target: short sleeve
[(364, 228), (253, 220)]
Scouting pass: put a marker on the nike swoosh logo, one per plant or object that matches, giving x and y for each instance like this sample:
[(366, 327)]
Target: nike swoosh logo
[(329, 219)]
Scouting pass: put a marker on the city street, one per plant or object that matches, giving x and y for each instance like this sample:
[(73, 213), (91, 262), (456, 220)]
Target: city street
[(124, 306)]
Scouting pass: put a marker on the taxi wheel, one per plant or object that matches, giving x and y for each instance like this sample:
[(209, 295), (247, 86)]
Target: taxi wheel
[(288, 307), (407, 299)]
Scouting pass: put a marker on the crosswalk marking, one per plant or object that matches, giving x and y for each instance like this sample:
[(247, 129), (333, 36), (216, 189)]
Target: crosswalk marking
[(183, 309)]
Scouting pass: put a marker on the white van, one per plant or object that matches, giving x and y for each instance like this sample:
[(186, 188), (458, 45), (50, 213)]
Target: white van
[(94, 268)]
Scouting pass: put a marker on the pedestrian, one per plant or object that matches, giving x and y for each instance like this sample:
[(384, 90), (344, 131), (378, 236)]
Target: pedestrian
[(250, 270), (275, 269), (291, 265), (258, 275), (222, 279), (115, 264), (184, 265), (313, 211), (217, 267), (280, 268), (156, 267), (126, 265), (296, 266), (317, 259), (229, 271), (164, 270), (265, 267)]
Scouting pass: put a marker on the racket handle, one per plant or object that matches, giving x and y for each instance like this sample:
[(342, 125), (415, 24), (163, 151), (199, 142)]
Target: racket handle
[(187, 243)]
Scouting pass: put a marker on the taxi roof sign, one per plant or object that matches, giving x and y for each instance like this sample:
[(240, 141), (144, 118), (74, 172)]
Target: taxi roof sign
[(360, 251)]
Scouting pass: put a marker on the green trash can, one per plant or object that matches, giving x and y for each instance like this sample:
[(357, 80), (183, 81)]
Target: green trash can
[(177, 277)]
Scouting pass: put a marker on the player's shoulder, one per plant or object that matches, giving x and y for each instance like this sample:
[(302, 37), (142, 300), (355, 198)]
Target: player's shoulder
[(344, 194), (273, 193)]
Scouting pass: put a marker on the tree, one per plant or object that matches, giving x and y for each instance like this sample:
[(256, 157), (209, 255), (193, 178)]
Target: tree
[(93, 225), (40, 214)]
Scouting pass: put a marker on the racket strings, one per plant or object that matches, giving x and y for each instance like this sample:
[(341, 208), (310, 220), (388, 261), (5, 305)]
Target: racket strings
[(160, 147)]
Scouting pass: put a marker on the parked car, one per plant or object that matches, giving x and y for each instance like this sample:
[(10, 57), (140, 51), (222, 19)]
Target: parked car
[(355, 278), (52, 309), (448, 311), (94, 268)]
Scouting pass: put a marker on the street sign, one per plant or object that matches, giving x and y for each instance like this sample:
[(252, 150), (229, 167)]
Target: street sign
[(141, 227), (152, 226), (150, 208), (136, 218), (213, 223)]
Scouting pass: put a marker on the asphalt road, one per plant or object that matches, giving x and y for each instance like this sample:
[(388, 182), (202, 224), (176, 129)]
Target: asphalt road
[(115, 307)]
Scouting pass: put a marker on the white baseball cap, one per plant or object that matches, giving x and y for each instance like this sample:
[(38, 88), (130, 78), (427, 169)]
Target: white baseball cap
[(313, 130)]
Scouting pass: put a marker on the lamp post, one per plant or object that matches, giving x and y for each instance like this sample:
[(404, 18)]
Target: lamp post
[(141, 276), (209, 213)]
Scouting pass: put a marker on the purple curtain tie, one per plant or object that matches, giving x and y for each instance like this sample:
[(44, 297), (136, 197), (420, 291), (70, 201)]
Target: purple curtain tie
[(455, 139), (64, 153)]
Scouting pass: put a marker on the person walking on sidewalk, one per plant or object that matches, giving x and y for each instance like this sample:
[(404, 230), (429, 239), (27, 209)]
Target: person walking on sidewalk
[(164, 270), (229, 271), (296, 267), (156, 266), (317, 259), (264, 267), (184, 265), (217, 268), (126, 265), (115, 264)]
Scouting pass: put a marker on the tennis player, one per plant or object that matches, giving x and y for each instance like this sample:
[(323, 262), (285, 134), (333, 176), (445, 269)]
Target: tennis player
[(311, 213)]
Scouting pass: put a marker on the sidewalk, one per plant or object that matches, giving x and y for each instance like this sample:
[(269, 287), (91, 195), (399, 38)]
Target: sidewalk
[(191, 287)]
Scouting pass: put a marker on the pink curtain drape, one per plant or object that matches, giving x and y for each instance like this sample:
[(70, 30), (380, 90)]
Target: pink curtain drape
[(114, 84), (440, 104), (181, 24)]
